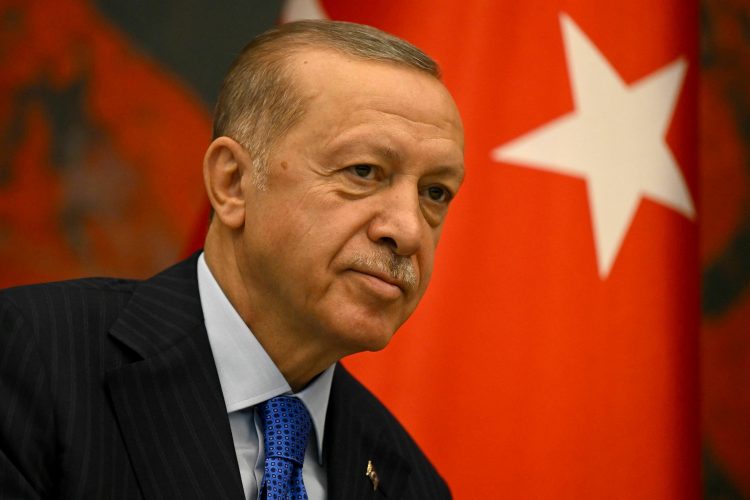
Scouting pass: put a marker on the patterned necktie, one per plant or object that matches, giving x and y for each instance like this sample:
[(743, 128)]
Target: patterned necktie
[(287, 425)]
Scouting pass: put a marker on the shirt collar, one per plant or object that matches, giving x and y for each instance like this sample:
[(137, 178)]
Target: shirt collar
[(247, 374)]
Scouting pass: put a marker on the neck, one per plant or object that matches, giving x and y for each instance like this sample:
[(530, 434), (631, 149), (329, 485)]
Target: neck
[(294, 350)]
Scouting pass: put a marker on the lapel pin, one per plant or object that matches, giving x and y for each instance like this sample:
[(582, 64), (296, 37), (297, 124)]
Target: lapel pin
[(372, 475)]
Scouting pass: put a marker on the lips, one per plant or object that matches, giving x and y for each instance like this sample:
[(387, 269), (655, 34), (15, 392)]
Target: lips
[(391, 280), (388, 268), (386, 289)]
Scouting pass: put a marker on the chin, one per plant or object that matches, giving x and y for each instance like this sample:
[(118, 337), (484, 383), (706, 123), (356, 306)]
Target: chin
[(376, 342), (362, 336), (350, 326)]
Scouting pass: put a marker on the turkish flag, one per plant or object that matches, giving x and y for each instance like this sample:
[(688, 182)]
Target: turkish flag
[(555, 354)]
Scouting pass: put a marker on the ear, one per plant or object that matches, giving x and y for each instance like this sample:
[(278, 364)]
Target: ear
[(225, 164)]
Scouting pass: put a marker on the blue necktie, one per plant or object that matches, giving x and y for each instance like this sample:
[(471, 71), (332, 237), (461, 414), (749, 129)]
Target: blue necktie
[(286, 427)]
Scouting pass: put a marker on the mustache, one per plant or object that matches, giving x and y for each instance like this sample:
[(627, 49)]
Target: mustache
[(397, 268)]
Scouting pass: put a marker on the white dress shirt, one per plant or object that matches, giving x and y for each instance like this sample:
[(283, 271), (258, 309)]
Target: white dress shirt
[(248, 377)]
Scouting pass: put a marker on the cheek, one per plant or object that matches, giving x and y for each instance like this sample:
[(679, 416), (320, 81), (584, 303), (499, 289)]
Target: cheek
[(305, 246), (341, 225), (427, 256)]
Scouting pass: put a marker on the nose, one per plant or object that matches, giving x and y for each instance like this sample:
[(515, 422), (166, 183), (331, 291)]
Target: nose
[(399, 222)]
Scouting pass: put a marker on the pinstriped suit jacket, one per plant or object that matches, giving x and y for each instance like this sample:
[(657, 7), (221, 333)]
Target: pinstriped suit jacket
[(108, 389)]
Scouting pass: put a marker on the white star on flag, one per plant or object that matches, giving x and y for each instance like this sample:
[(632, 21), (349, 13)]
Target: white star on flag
[(296, 10), (615, 139)]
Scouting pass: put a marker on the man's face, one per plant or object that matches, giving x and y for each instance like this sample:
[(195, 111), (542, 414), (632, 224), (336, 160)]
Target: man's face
[(340, 245)]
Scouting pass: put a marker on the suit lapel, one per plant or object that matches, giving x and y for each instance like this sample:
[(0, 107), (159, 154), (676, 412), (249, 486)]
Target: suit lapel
[(169, 404), (354, 436)]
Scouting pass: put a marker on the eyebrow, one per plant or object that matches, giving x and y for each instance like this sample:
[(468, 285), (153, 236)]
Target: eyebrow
[(388, 153), (454, 171), (394, 156)]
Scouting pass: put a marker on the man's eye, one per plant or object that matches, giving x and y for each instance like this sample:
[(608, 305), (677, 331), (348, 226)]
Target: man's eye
[(438, 194), (363, 171)]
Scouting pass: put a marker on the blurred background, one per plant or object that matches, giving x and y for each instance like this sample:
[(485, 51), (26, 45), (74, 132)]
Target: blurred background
[(105, 113)]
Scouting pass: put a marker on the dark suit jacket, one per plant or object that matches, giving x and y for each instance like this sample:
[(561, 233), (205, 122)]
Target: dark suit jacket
[(108, 389)]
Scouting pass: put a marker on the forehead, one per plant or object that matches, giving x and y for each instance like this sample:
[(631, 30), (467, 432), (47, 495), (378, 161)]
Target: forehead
[(343, 90)]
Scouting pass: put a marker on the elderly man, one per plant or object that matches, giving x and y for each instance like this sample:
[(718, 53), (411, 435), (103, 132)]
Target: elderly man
[(337, 152)]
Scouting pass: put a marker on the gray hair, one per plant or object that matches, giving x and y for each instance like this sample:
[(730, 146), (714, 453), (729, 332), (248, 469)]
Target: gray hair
[(259, 103)]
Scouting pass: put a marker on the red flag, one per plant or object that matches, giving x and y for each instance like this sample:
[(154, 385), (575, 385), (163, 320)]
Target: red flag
[(555, 354)]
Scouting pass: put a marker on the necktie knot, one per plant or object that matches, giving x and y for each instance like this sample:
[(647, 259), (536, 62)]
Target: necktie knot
[(286, 424)]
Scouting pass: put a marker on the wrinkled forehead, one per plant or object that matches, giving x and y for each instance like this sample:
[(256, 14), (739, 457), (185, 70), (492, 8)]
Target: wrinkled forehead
[(326, 77)]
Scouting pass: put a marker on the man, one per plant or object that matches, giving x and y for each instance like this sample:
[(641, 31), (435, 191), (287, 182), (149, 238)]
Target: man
[(337, 153)]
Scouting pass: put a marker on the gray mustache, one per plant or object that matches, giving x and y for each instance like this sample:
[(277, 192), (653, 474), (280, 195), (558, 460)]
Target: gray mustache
[(400, 269)]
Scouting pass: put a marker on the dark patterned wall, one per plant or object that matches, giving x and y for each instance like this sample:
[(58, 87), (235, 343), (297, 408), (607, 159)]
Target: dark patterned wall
[(105, 112), (725, 247)]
